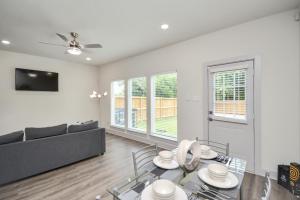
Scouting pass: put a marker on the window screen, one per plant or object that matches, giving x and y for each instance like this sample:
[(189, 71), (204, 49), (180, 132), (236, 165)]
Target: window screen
[(118, 103), (137, 104), (164, 119)]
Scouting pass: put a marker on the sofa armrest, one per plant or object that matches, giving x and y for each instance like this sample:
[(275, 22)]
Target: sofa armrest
[(103, 140)]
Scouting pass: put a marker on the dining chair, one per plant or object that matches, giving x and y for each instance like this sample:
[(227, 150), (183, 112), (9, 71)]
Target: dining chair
[(267, 187), (220, 148), (143, 157)]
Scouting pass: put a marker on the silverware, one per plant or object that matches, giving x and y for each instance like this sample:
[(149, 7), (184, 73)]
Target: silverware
[(138, 197), (206, 195), (228, 162), (214, 192), (214, 195), (192, 196)]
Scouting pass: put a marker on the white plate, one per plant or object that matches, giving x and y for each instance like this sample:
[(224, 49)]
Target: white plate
[(171, 165), (231, 180), (147, 194), (212, 154)]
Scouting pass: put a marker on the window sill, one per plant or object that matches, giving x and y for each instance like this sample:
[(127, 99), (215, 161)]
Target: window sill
[(137, 131), (228, 119), (163, 137), (118, 127)]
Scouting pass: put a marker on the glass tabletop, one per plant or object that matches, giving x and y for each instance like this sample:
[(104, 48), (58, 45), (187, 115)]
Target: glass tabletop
[(132, 187)]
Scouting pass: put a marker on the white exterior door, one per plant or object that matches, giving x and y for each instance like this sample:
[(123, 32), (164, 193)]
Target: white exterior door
[(231, 116)]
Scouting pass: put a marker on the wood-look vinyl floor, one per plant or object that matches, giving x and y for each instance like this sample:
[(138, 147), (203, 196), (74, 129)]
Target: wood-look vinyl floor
[(86, 179)]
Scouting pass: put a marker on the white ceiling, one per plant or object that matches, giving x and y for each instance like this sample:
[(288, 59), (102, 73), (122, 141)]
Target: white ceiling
[(123, 27)]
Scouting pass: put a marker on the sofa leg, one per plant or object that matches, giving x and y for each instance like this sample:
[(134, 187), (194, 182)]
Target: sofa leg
[(102, 154)]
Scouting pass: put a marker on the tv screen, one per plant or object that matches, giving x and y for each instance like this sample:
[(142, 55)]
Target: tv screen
[(33, 80)]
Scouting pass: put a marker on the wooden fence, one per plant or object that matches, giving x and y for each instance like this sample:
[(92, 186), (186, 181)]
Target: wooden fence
[(165, 107), (231, 107)]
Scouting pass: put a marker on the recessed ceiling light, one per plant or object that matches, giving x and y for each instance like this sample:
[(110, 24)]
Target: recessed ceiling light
[(88, 58), (6, 42), (164, 26)]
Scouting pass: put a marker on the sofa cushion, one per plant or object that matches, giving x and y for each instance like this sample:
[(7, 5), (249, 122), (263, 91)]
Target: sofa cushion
[(87, 122), (83, 127), (12, 137), (35, 133)]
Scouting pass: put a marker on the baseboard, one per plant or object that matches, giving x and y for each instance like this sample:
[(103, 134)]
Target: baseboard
[(261, 172)]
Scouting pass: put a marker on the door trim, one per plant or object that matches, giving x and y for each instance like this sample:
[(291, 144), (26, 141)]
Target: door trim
[(256, 102)]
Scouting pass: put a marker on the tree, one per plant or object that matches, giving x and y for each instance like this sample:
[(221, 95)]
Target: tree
[(139, 87), (166, 86)]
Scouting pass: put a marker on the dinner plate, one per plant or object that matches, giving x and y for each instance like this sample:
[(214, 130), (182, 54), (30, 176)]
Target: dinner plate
[(230, 181), (172, 165), (147, 194), (212, 154)]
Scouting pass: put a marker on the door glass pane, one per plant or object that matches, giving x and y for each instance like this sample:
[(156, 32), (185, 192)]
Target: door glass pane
[(118, 103), (230, 94), (137, 103), (165, 109)]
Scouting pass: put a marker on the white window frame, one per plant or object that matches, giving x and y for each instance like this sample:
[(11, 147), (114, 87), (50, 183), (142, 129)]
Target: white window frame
[(149, 133), (129, 107), (112, 105), (152, 107)]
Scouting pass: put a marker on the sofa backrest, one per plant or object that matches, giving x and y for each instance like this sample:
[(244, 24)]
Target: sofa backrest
[(35, 133), (12, 137), (83, 127)]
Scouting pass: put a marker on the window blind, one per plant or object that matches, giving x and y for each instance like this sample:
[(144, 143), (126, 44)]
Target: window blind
[(230, 94)]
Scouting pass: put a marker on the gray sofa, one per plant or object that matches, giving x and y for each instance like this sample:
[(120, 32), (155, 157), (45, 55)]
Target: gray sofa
[(27, 158)]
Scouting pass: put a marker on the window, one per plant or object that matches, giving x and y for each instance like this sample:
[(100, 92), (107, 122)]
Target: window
[(164, 105), (230, 94), (137, 104), (118, 103)]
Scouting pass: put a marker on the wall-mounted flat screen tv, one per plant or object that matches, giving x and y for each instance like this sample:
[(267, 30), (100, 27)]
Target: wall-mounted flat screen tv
[(34, 80)]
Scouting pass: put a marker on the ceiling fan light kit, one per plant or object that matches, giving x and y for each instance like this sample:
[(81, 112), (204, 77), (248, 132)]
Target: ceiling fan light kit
[(74, 51)]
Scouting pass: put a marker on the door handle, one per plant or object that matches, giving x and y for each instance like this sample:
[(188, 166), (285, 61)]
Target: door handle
[(209, 114)]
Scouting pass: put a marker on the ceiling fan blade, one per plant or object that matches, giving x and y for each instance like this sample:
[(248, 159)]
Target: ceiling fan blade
[(92, 46), (64, 38), (60, 45)]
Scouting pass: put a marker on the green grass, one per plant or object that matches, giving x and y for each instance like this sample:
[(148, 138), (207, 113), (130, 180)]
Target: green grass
[(164, 126)]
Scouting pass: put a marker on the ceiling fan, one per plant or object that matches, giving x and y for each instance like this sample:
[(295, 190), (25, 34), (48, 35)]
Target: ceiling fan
[(73, 46)]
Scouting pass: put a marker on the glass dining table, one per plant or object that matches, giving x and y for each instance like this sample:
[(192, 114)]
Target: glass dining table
[(132, 187)]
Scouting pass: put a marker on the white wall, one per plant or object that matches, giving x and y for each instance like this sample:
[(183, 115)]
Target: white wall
[(20, 109), (275, 39)]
